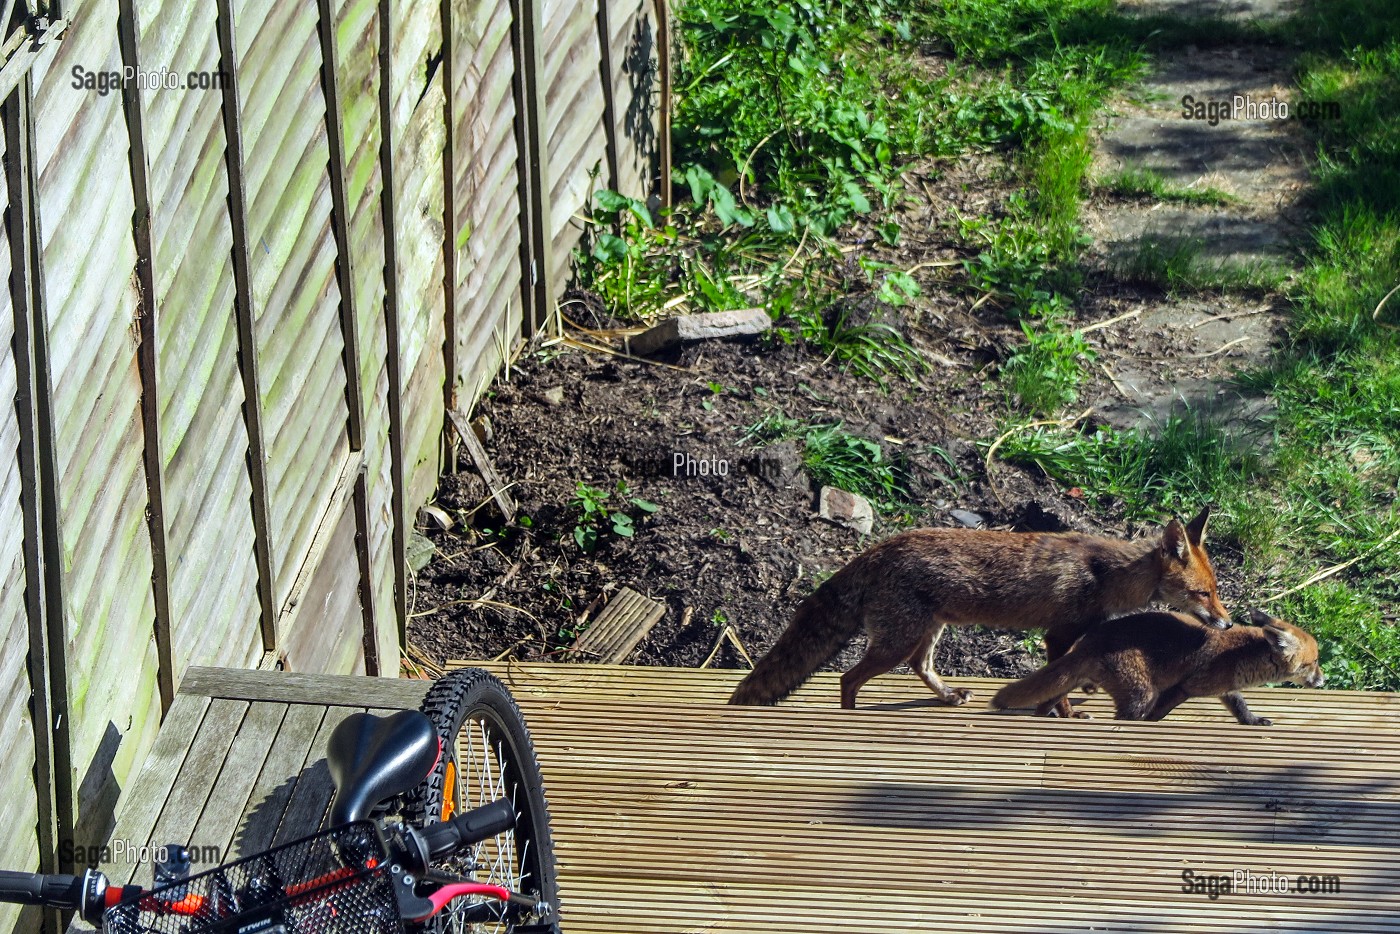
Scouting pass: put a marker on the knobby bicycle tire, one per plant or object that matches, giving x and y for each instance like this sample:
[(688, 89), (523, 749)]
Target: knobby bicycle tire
[(479, 722)]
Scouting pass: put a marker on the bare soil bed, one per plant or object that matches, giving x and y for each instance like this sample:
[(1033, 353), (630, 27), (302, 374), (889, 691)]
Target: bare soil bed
[(745, 548)]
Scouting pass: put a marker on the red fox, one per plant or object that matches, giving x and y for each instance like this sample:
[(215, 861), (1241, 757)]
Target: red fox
[(1151, 662), (908, 588)]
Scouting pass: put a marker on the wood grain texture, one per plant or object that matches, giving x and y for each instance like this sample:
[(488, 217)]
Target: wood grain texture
[(419, 146), (573, 103), (486, 232), (293, 281), (358, 24), (213, 572), (636, 82), (325, 634), (675, 812), (17, 783), (85, 211)]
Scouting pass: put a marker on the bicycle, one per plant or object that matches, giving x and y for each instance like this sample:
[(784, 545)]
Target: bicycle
[(439, 823)]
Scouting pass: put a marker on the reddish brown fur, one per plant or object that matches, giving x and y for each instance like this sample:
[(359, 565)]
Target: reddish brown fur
[(907, 589), (1151, 662)]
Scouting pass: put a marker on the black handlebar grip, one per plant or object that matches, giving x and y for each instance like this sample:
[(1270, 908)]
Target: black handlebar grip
[(466, 829), (32, 888)]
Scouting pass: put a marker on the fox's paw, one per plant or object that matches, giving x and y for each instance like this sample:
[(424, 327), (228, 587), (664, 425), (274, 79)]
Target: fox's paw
[(1261, 721), (956, 697), (1081, 715)]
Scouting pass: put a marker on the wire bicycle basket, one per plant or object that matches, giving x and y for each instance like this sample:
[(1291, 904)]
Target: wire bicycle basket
[(334, 882)]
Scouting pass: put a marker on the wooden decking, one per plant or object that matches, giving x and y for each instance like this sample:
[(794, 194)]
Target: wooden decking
[(675, 814)]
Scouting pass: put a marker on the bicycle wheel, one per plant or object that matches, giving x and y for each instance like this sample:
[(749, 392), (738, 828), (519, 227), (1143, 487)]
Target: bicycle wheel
[(487, 755)]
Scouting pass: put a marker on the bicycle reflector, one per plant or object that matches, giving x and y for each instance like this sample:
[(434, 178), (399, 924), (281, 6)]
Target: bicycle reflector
[(334, 882)]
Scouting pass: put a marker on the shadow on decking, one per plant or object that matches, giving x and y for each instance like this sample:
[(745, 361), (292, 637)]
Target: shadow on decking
[(1307, 804)]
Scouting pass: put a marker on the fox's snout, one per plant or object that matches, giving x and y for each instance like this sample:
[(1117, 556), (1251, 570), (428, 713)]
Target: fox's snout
[(1315, 678), (1219, 620)]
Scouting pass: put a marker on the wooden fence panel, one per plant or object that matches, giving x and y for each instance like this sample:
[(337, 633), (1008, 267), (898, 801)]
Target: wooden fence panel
[(331, 601), (636, 88), (241, 206), (486, 231), (19, 813), (358, 25), (85, 215), (293, 273), (212, 569), (574, 106), (418, 138)]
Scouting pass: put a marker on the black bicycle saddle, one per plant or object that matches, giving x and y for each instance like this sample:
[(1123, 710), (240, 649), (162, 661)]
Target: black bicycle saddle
[(372, 759)]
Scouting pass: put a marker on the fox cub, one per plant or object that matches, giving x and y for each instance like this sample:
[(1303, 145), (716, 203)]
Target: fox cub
[(907, 589), (1151, 662)]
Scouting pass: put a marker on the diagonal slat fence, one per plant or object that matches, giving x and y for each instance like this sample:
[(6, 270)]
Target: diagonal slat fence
[(256, 252)]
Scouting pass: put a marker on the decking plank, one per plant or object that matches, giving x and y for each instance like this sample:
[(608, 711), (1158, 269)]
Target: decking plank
[(311, 795), (142, 808), (297, 688), (674, 812), (223, 811), (267, 802), (204, 763)]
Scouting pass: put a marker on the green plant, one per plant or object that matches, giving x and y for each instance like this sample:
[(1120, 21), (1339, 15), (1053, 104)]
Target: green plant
[(1184, 461), (1044, 373), (874, 349), (1141, 183), (1177, 265), (595, 514), (834, 457)]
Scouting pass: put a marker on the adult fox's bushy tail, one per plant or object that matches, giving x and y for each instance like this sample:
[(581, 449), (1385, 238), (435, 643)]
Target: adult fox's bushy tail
[(1055, 680), (820, 628)]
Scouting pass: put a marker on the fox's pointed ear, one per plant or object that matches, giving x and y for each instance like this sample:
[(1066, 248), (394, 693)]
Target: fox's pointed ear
[(1174, 541), (1260, 618), (1196, 528), (1284, 641)]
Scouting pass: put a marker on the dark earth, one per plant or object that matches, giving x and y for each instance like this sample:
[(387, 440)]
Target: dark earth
[(743, 548)]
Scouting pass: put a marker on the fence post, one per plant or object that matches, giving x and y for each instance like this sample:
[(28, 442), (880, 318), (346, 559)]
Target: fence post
[(247, 335), (449, 225), (349, 323), (605, 65), (663, 58), (147, 351), (394, 364), (530, 106), (44, 597)]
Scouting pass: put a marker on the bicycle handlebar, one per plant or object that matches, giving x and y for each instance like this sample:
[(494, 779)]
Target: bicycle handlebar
[(34, 888), (417, 847), (440, 840)]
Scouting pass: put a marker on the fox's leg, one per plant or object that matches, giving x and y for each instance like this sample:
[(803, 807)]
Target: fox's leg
[(1170, 699), (880, 657), (921, 660), (1235, 702), (1057, 644), (1138, 705)]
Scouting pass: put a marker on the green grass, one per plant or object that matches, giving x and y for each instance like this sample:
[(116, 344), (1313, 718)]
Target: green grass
[(796, 120), (1312, 500), (832, 456), (1177, 266), (1044, 373), (1144, 184), (1180, 465)]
